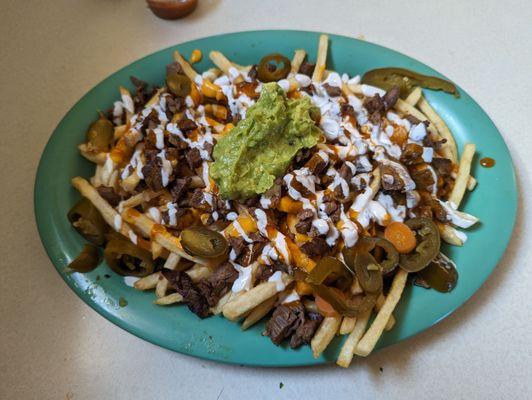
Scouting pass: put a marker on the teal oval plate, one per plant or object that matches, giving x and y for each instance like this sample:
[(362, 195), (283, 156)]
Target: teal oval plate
[(494, 201)]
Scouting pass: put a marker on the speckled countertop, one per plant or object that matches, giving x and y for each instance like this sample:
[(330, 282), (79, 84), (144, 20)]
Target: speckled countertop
[(53, 346)]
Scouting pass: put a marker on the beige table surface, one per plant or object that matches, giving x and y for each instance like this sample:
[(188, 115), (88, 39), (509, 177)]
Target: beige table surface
[(53, 346)]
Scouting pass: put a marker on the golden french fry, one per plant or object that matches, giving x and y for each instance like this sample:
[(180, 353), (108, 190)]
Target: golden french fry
[(406, 108), (252, 298), (348, 324), (97, 158), (378, 306), (471, 183), (321, 60), (170, 263), (187, 68), (449, 147), (130, 183), (464, 171), (148, 282), (221, 61), (226, 298), (199, 272), (370, 338), (259, 312), (169, 299), (449, 234), (414, 96), (139, 198), (348, 349), (324, 335), (297, 60)]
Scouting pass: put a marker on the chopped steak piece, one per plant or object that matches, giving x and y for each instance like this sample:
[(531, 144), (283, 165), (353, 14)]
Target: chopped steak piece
[(428, 141), (284, 322), (109, 194), (316, 164), (423, 178), (442, 166), (390, 98), (307, 68), (186, 125), (332, 91), (250, 253), (375, 107), (315, 247), (390, 178), (412, 154), (194, 159), (179, 188), (305, 331), (238, 244), (253, 73), (304, 220), (347, 110), (345, 172), (174, 68), (218, 283), (192, 296), (152, 171), (198, 201)]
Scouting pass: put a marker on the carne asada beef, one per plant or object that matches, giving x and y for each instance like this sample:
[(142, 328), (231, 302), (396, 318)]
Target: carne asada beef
[(192, 295), (218, 283), (305, 332)]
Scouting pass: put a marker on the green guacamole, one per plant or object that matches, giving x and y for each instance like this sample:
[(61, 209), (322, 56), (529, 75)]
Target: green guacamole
[(260, 147)]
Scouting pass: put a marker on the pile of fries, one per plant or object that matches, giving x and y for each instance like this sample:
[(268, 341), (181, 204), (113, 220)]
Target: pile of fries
[(218, 98)]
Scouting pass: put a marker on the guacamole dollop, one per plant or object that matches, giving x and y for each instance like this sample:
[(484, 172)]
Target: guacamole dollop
[(260, 147)]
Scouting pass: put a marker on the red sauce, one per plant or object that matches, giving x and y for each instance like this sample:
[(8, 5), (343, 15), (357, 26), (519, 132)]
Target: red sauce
[(487, 162)]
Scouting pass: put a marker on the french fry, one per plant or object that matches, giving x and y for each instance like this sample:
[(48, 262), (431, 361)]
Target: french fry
[(127, 100), (348, 324), (169, 299), (199, 272), (471, 183), (414, 96), (139, 198), (324, 335), (130, 183), (170, 263), (370, 338), (187, 68), (148, 282), (321, 59), (259, 312), (406, 108), (252, 298), (348, 349), (464, 170), (226, 298), (380, 302), (145, 225), (297, 60), (449, 235), (221, 61), (449, 147), (96, 158)]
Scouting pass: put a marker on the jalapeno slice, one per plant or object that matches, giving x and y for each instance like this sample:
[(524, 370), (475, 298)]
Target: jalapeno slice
[(178, 84), (428, 247), (440, 274), (100, 135), (87, 220), (203, 242), (370, 244), (87, 260), (406, 80), (126, 259), (273, 68)]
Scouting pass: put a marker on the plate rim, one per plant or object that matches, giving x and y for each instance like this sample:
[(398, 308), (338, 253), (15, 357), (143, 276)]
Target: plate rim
[(140, 333)]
